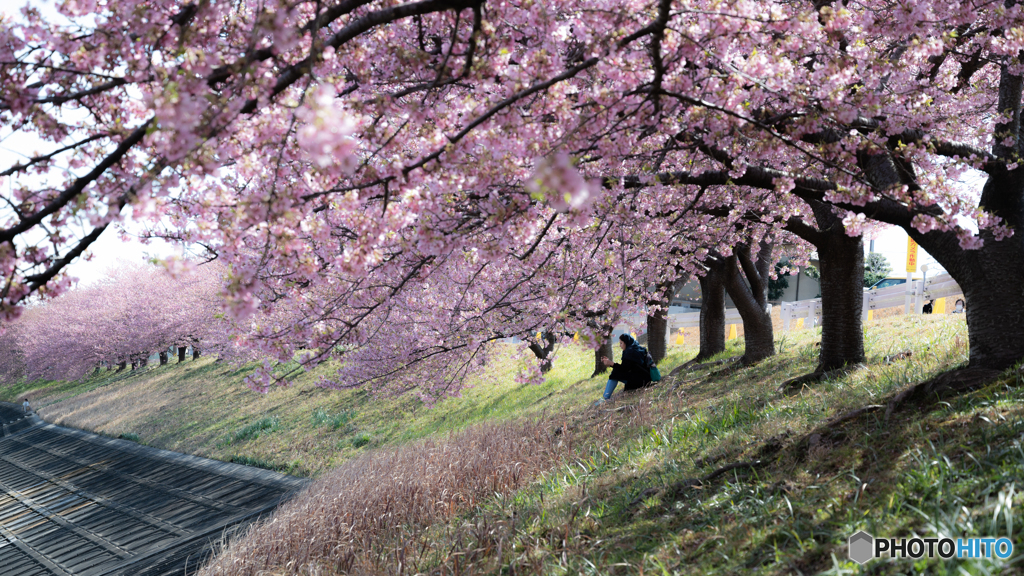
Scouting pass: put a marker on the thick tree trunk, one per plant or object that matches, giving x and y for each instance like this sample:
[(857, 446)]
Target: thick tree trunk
[(758, 336), (163, 357), (992, 279), (144, 361), (712, 310), (657, 323), (758, 333), (605, 350), (181, 353), (122, 366), (543, 353), (195, 353), (657, 328), (841, 260), (135, 364), (751, 299)]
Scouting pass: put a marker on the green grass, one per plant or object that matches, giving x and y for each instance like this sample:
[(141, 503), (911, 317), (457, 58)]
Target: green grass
[(255, 462), (625, 502), (628, 503), (256, 429), (361, 440), (58, 390), (335, 421), (202, 407)]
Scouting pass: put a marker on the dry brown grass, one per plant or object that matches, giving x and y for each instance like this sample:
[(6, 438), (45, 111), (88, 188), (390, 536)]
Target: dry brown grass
[(364, 517), (114, 409), (378, 514)]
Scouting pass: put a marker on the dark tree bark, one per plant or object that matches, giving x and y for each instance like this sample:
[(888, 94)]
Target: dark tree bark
[(135, 364), (181, 353), (712, 309), (163, 357), (144, 361), (657, 323), (842, 302), (195, 353), (657, 328), (543, 353), (123, 365), (751, 299), (605, 350), (992, 276), (841, 259)]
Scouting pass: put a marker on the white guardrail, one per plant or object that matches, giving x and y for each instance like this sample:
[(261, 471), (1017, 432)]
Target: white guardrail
[(912, 296), (678, 320)]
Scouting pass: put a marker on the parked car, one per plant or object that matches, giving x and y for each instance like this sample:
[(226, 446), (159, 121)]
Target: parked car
[(887, 282)]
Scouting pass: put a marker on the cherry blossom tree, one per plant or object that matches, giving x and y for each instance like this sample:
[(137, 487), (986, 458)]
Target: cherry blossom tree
[(122, 319), (340, 150), (12, 357)]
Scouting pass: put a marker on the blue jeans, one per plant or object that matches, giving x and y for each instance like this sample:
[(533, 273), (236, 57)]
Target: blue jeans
[(609, 388)]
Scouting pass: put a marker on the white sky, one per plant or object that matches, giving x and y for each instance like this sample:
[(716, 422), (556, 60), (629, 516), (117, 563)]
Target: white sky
[(892, 243), (108, 250)]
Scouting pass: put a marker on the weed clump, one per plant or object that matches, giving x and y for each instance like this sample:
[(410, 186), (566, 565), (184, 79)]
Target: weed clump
[(340, 420), (256, 429), (254, 462), (130, 436)]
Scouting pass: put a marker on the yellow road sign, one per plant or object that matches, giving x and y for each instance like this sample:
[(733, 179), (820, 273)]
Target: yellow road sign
[(911, 255)]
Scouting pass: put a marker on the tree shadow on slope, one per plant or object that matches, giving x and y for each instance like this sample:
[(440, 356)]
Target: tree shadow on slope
[(792, 503)]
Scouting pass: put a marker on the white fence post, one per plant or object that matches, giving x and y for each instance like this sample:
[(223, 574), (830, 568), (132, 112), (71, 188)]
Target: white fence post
[(909, 298), (919, 291)]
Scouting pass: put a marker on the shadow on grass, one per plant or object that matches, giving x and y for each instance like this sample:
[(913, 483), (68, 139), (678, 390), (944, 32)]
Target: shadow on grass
[(795, 510)]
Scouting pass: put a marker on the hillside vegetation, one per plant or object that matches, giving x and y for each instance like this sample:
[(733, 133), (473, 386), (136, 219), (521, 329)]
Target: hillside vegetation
[(203, 407), (711, 471)]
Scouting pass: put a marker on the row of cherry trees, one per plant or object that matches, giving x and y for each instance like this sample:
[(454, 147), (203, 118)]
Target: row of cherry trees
[(120, 321), (467, 170)]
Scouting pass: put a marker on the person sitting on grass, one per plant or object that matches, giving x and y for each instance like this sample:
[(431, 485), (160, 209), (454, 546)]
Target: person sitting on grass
[(634, 371)]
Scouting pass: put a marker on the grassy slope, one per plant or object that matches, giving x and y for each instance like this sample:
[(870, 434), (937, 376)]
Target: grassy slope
[(204, 408), (625, 502), (635, 507)]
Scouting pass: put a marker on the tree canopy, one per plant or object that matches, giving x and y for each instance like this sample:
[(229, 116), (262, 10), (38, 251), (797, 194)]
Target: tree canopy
[(476, 168)]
